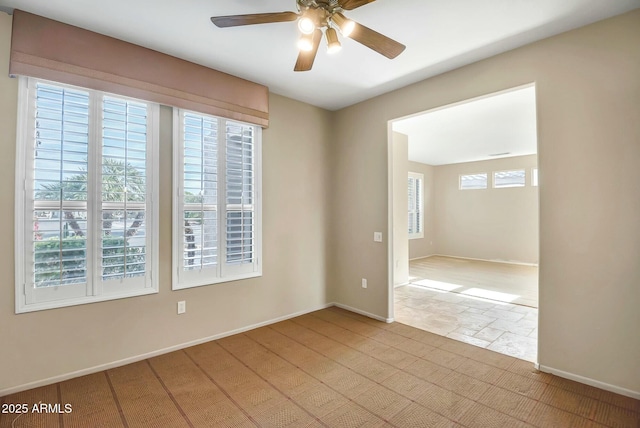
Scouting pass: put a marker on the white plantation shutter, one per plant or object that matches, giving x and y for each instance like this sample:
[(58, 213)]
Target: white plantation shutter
[(58, 252), (124, 189), (216, 209), (416, 204), (200, 193), (239, 193), (412, 204), (83, 216)]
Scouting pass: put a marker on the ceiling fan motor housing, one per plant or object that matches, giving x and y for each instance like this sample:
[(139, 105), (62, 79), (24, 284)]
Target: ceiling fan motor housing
[(328, 5), (319, 11)]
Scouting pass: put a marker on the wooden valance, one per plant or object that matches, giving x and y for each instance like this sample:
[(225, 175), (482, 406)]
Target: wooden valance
[(48, 49)]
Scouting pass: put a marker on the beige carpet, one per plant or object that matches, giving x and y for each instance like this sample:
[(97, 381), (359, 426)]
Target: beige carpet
[(504, 282), (331, 368)]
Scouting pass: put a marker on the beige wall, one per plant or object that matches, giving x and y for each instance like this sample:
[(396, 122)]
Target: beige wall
[(37, 346), (400, 208), (588, 97), (425, 246), (489, 224)]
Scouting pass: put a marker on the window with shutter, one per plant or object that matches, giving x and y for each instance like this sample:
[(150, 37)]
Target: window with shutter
[(85, 207), (217, 206), (416, 205)]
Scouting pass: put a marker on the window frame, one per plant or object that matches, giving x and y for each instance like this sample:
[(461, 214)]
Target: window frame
[(416, 176), (223, 272), (94, 287)]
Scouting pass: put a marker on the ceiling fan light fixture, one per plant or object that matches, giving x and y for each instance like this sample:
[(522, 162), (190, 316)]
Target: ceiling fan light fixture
[(306, 25), (346, 25), (333, 44), (305, 42)]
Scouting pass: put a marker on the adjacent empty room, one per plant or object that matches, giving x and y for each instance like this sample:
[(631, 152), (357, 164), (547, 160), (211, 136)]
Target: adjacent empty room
[(466, 260)]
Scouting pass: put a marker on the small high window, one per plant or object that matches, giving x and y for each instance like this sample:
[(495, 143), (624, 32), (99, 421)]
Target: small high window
[(473, 181), (515, 178)]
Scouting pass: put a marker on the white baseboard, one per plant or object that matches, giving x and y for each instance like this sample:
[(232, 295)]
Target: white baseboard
[(366, 314), (508, 262), (136, 358), (588, 381), (421, 257)]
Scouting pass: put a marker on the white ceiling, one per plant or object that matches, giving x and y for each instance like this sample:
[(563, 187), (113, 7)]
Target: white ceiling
[(502, 125), (439, 35)]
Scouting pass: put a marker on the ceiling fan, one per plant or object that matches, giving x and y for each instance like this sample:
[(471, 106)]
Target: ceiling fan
[(313, 17)]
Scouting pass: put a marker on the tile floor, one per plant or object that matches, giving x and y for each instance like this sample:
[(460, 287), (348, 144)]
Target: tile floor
[(506, 282), (502, 327)]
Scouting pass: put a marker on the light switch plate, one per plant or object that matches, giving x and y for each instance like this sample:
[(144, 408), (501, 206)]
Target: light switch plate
[(182, 307), (377, 236)]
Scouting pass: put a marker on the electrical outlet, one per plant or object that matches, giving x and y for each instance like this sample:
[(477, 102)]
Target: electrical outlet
[(182, 307), (377, 236), (364, 283)]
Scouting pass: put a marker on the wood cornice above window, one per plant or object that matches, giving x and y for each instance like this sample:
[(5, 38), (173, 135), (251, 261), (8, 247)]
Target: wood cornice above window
[(48, 49)]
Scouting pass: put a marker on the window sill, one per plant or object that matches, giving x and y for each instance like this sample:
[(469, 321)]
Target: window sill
[(216, 281), (22, 307)]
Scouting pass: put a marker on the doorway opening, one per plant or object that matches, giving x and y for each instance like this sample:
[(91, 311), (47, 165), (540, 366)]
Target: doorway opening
[(464, 221)]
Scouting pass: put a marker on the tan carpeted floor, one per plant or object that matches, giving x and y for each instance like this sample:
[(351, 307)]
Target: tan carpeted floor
[(330, 368)]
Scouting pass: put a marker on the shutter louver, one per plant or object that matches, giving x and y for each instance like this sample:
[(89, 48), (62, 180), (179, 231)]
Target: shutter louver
[(418, 206), (124, 188), (415, 205), (411, 200), (200, 192), (59, 241), (239, 193)]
